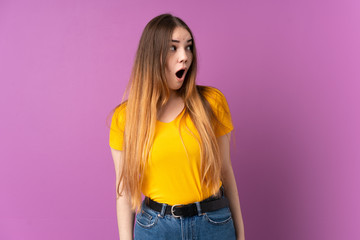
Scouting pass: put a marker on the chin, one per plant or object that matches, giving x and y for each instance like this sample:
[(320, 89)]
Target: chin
[(175, 88)]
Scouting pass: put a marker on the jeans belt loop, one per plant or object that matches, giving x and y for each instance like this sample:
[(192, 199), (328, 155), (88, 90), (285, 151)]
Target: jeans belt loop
[(198, 207), (163, 208)]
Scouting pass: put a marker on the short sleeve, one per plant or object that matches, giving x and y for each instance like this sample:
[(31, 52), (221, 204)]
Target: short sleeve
[(117, 128), (220, 108)]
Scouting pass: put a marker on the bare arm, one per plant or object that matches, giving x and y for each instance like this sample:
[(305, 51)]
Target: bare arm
[(230, 187), (125, 216)]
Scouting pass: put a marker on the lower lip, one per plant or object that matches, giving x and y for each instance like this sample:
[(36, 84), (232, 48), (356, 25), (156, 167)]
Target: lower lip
[(180, 79)]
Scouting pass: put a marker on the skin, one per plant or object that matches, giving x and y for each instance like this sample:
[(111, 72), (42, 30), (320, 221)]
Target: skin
[(180, 57), (229, 182), (125, 216)]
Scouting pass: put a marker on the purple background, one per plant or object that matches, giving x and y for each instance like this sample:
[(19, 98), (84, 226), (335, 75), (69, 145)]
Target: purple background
[(289, 69)]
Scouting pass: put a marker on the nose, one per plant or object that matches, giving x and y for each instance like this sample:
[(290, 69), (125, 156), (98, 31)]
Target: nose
[(183, 57)]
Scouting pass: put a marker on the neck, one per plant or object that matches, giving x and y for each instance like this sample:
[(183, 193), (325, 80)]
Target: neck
[(173, 95)]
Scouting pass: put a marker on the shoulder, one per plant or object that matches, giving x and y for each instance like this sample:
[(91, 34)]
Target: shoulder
[(119, 115), (120, 110), (206, 90), (213, 95), (220, 109), (117, 127)]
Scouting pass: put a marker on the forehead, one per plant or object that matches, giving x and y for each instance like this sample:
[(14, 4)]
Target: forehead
[(180, 34)]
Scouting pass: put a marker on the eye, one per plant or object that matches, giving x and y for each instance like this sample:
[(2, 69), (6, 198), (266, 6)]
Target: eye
[(189, 48), (172, 48)]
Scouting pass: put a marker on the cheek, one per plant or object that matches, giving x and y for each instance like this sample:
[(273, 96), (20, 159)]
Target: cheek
[(167, 65), (167, 73), (190, 57), (167, 69)]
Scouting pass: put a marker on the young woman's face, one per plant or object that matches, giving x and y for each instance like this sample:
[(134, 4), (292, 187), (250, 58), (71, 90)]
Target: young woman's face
[(179, 58)]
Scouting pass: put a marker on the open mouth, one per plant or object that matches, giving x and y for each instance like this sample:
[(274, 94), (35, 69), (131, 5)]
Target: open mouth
[(180, 73)]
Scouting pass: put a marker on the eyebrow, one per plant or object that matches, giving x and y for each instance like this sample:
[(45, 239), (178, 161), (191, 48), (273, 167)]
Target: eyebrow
[(177, 41)]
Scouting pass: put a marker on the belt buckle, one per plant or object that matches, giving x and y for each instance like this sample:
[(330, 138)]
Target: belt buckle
[(172, 210)]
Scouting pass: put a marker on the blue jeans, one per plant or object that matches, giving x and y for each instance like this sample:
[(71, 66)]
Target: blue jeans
[(205, 226)]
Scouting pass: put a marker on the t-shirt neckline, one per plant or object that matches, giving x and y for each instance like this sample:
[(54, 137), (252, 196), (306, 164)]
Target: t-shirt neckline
[(182, 111)]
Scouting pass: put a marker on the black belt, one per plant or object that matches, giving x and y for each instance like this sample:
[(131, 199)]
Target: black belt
[(188, 210)]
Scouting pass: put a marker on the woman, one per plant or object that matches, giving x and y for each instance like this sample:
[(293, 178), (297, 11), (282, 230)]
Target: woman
[(170, 141)]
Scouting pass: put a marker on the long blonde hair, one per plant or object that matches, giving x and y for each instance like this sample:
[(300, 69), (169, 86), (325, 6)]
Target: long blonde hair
[(148, 92)]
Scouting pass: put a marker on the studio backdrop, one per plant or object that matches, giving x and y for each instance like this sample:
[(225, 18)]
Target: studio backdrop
[(289, 70)]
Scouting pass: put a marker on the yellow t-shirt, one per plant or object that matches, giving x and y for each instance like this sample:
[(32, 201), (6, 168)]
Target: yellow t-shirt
[(172, 173)]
